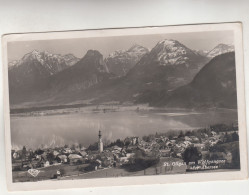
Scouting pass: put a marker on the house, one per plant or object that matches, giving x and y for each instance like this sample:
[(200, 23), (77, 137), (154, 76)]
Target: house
[(229, 157), (124, 160), (187, 138), (44, 156), (117, 148), (99, 163), (129, 155), (194, 138), (38, 157), (135, 140), (132, 140), (62, 158), (75, 159), (107, 161), (55, 153), (123, 152), (205, 135), (187, 143), (213, 133), (165, 153), (169, 144), (173, 141), (199, 146), (131, 148), (46, 164), (83, 153), (147, 150), (179, 155), (82, 148), (16, 155), (67, 150)]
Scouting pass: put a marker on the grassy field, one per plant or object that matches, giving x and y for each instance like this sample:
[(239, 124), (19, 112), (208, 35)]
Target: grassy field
[(73, 172), (46, 173), (158, 169)]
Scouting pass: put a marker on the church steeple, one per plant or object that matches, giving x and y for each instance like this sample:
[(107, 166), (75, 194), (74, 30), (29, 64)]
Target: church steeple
[(100, 144)]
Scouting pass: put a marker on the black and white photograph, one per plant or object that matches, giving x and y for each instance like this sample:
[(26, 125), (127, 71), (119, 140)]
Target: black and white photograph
[(125, 103)]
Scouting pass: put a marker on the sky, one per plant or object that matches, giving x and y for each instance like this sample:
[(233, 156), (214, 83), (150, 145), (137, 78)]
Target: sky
[(106, 45)]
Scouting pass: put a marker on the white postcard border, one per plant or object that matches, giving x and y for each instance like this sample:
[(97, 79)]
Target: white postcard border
[(138, 180)]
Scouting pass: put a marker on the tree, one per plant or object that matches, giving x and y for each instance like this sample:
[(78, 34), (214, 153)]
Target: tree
[(235, 137), (39, 152), (31, 155), (236, 157), (73, 147), (62, 172), (188, 133), (50, 157), (24, 152), (181, 135), (148, 138), (119, 143), (228, 137), (127, 142), (93, 147), (198, 135), (142, 160), (191, 154)]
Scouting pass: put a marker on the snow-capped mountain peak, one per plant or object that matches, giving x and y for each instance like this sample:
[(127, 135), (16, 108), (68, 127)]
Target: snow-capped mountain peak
[(45, 59), (201, 52), (138, 49), (220, 49), (168, 42), (171, 52)]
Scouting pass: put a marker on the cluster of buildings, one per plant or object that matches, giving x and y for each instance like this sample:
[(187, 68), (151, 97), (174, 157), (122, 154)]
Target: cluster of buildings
[(112, 156)]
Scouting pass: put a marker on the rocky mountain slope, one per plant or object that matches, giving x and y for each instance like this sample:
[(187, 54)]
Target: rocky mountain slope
[(121, 61), (35, 66), (87, 72), (168, 65)]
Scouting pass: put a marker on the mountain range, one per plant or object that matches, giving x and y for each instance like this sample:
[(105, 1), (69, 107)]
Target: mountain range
[(135, 75)]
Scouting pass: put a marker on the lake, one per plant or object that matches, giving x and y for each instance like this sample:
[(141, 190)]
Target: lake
[(61, 129)]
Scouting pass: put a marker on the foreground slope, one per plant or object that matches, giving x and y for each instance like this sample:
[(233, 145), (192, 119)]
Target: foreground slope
[(213, 86)]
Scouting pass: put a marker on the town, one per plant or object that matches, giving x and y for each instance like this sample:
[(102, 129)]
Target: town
[(206, 149)]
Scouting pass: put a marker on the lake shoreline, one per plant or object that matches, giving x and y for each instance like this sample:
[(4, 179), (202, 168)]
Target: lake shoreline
[(104, 108)]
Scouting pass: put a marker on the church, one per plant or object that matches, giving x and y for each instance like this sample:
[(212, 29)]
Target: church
[(100, 143)]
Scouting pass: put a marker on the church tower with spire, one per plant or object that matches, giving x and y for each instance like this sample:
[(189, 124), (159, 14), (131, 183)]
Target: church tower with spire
[(100, 142)]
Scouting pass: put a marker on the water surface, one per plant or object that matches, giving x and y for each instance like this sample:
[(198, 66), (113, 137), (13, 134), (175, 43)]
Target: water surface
[(58, 130)]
